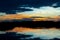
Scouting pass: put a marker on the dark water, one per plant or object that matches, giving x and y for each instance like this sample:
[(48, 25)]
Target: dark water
[(14, 36)]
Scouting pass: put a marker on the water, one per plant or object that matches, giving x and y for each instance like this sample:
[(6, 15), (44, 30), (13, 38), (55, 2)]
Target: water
[(15, 36)]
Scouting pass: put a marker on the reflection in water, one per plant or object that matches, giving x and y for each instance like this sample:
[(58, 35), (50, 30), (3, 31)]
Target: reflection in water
[(13, 36), (44, 33), (21, 36)]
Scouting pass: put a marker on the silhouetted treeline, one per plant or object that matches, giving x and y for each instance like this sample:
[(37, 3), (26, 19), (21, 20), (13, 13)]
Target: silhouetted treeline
[(29, 24)]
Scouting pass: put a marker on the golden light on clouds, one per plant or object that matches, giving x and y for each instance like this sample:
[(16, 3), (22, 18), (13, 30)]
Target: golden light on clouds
[(13, 16), (21, 16)]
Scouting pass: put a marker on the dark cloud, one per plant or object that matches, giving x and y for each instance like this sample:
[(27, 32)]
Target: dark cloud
[(18, 10), (58, 4), (8, 6)]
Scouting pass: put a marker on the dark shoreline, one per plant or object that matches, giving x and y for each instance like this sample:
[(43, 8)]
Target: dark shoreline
[(29, 24)]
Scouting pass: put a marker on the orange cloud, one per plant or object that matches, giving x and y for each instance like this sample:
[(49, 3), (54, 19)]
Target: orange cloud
[(13, 16), (21, 16)]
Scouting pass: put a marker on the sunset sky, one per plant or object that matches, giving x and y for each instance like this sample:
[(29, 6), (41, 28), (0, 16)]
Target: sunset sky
[(45, 8), (20, 9)]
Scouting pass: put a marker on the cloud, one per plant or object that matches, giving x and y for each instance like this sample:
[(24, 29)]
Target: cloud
[(43, 33), (9, 6), (46, 11), (55, 4), (1, 13)]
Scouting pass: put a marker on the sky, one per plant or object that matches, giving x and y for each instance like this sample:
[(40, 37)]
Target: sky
[(44, 8)]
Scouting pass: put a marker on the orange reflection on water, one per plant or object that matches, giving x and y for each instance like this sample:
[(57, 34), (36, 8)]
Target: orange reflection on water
[(24, 29)]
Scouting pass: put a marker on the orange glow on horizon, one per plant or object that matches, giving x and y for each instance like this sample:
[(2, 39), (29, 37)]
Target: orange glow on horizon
[(21, 16), (23, 29)]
